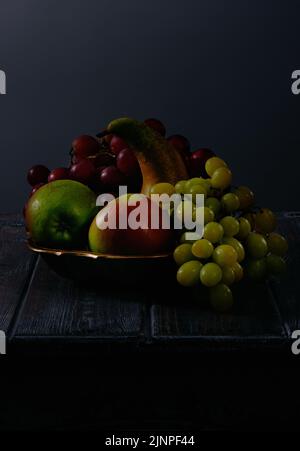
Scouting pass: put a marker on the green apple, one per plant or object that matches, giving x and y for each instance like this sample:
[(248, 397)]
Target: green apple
[(59, 214)]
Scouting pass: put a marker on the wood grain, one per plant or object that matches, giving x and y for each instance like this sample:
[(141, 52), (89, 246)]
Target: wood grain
[(58, 307), (189, 317), (11, 219), (16, 266), (286, 289)]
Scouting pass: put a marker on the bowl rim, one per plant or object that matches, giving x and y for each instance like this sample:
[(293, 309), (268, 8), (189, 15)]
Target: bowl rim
[(88, 254)]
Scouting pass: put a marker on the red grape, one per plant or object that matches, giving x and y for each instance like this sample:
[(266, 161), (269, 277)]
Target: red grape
[(127, 162), (100, 169), (83, 171), (198, 160), (37, 174), (111, 177), (96, 183), (180, 143), (35, 188), (75, 159), (157, 125), (85, 146), (117, 144), (59, 174), (102, 159)]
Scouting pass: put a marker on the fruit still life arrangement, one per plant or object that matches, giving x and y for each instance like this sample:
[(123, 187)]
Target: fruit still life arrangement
[(239, 239)]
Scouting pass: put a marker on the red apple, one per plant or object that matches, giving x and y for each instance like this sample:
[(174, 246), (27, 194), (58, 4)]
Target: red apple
[(128, 241)]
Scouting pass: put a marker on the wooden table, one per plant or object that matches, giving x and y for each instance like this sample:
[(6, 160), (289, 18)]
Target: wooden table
[(46, 314), (37, 306)]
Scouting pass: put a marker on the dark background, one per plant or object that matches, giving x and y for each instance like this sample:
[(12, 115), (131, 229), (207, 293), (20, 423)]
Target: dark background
[(218, 72)]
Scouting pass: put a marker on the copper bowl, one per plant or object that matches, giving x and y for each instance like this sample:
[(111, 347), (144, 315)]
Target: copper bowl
[(87, 266)]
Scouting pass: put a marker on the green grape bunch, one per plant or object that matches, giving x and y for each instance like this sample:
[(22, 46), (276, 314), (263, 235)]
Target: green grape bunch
[(239, 240)]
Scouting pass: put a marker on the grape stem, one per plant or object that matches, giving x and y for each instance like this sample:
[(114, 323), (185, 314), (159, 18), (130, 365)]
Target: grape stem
[(102, 134)]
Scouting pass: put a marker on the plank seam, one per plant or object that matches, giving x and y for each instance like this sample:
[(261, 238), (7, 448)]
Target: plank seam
[(275, 301), (23, 298)]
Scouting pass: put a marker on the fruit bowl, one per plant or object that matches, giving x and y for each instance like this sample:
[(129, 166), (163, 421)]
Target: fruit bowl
[(81, 265)]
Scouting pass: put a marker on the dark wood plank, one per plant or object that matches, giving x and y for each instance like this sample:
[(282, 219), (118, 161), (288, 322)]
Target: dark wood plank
[(286, 290), (266, 313), (188, 317), (61, 308), (16, 266), (13, 219)]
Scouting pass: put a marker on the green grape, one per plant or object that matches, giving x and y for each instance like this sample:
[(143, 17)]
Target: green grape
[(214, 204), (186, 207), (213, 231), (256, 269), (256, 245), (206, 183), (183, 239), (251, 219), (265, 221), (275, 264), (183, 254), (225, 255), (221, 178), (237, 245), (202, 248), (230, 202), (246, 197), (197, 189), (213, 164), (162, 188), (180, 187), (230, 225), (209, 215), (221, 298), (210, 274), (228, 275), (277, 244), (192, 182), (238, 271), (188, 273), (244, 229)]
